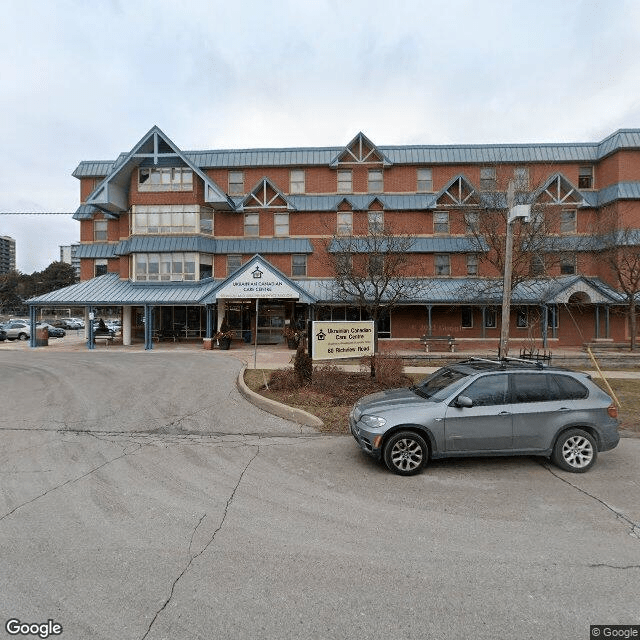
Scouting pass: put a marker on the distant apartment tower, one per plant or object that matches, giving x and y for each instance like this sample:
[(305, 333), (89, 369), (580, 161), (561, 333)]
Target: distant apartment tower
[(69, 254), (7, 254)]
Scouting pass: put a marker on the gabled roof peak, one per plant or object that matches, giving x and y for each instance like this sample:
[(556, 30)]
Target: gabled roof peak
[(360, 151)]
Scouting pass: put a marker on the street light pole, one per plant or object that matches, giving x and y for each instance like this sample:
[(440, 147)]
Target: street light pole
[(513, 212)]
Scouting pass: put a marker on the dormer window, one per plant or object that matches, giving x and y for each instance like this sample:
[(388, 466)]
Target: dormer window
[(165, 179)]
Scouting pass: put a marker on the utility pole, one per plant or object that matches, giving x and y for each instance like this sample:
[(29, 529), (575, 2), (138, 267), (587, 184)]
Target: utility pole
[(513, 212)]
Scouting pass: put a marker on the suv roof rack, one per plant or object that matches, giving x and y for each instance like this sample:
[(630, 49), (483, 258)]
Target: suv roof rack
[(502, 362)]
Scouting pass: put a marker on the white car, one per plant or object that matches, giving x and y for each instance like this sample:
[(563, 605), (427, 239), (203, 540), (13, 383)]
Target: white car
[(17, 330)]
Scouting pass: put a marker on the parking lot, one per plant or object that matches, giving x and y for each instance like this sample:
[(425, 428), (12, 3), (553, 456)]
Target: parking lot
[(143, 497)]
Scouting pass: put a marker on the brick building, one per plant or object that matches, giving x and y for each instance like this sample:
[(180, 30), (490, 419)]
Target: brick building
[(178, 240)]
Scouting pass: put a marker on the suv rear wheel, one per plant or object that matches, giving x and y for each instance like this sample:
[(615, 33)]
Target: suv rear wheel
[(405, 453), (575, 451)]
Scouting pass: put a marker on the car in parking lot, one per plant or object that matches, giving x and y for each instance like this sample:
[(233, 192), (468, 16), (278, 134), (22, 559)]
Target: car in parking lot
[(3, 334), (54, 332), (17, 330), (482, 407)]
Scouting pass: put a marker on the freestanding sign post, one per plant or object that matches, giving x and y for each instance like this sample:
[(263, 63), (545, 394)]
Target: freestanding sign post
[(332, 340)]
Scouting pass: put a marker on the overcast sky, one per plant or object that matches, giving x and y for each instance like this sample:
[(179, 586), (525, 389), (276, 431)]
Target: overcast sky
[(86, 80)]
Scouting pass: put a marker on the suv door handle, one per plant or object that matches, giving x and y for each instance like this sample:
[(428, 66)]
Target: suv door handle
[(505, 413)]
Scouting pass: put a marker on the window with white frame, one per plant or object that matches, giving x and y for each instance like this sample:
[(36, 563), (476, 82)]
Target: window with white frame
[(490, 319), (442, 263), (296, 181), (487, 178), (376, 221), (471, 219), (345, 181), (206, 266), (345, 223), (281, 224), (165, 266), (100, 267), (521, 178), (165, 179), (376, 183), (236, 183), (251, 224), (568, 220), (299, 264), (171, 218), (441, 222), (522, 317), (425, 180), (585, 177), (234, 262), (472, 264), (466, 317), (100, 230)]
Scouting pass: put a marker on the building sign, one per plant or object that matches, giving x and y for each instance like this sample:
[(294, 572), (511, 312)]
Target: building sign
[(256, 280), (331, 340)]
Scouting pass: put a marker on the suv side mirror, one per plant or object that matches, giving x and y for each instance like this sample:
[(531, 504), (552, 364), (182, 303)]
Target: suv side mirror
[(464, 402)]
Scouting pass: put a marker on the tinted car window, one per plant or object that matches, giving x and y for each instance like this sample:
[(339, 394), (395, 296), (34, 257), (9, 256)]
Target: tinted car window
[(570, 388), (438, 385), (532, 387), (488, 390)]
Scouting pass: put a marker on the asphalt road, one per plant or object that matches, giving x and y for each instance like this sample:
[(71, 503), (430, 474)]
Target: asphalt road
[(142, 497)]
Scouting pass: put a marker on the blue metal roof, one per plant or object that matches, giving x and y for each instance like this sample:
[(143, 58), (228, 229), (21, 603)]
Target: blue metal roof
[(399, 154)]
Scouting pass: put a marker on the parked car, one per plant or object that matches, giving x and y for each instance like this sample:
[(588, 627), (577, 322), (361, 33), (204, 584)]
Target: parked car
[(67, 323), (54, 332), (3, 334), (17, 330), (483, 407)]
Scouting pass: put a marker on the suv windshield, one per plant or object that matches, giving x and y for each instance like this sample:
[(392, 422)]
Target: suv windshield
[(439, 385)]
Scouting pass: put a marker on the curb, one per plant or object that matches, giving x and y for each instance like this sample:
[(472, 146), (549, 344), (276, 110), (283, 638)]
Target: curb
[(277, 409)]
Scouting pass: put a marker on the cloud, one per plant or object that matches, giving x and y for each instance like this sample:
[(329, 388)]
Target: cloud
[(84, 81)]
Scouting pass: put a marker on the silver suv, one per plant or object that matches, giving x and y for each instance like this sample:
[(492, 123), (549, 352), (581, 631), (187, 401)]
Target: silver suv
[(488, 408)]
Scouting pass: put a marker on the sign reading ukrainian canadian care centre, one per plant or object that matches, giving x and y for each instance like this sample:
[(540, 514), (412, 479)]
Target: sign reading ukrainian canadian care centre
[(342, 339), (257, 281)]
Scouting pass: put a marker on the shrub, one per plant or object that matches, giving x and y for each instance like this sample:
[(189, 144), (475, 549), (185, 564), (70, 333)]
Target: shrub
[(303, 366)]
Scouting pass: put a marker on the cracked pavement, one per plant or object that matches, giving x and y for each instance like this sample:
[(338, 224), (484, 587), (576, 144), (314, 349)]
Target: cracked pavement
[(143, 498)]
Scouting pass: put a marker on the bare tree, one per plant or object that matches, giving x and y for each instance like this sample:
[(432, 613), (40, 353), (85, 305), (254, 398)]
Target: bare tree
[(371, 271), (620, 250)]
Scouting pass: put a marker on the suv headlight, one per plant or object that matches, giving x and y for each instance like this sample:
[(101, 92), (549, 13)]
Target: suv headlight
[(374, 422)]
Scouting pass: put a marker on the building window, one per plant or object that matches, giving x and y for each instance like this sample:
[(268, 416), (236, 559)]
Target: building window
[(165, 179), (296, 181), (425, 180), (251, 224), (299, 264), (99, 267), (171, 218), (343, 263), (568, 264), (345, 223), (568, 221), (553, 321), (466, 319), (234, 262), (441, 222), (585, 178), (471, 222), (376, 265), (165, 266), (442, 263), (100, 230), (206, 266), (521, 178), (536, 267), (345, 181), (376, 184), (522, 318), (487, 178), (281, 224), (472, 264), (490, 319), (376, 221), (236, 183)]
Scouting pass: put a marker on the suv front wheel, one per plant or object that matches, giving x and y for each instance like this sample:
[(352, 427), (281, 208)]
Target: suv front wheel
[(405, 453), (575, 451)]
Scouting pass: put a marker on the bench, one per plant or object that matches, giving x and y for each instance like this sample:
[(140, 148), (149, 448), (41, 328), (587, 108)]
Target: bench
[(107, 339), (434, 341)]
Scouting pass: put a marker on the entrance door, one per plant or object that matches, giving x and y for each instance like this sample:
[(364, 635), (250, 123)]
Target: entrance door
[(271, 319)]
